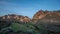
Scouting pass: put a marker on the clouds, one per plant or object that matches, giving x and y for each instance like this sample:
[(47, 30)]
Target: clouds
[(6, 3)]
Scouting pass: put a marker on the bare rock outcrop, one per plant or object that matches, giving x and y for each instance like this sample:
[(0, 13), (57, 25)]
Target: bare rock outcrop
[(12, 17), (50, 19)]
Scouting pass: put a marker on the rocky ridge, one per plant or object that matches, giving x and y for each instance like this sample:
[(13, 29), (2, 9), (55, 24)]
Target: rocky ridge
[(50, 20), (12, 17), (46, 16)]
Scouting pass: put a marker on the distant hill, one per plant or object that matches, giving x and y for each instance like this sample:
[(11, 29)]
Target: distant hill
[(13, 17)]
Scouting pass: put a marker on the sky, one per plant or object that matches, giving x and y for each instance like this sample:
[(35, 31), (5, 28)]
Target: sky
[(27, 7)]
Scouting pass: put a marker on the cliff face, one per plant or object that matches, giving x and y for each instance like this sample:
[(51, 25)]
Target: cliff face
[(50, 20), (46, 16), (15, 17)]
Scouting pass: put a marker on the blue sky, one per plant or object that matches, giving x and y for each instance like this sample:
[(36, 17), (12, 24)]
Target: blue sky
[(27, 7)]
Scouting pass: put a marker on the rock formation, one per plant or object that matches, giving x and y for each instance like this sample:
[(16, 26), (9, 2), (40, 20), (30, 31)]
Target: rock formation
[(50, 15), (50, 19), (12, 17)]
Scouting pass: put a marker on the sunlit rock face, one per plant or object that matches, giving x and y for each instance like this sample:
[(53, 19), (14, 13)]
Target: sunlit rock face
[(50, 19), (47, 16), (39, 15), (11, 17)]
